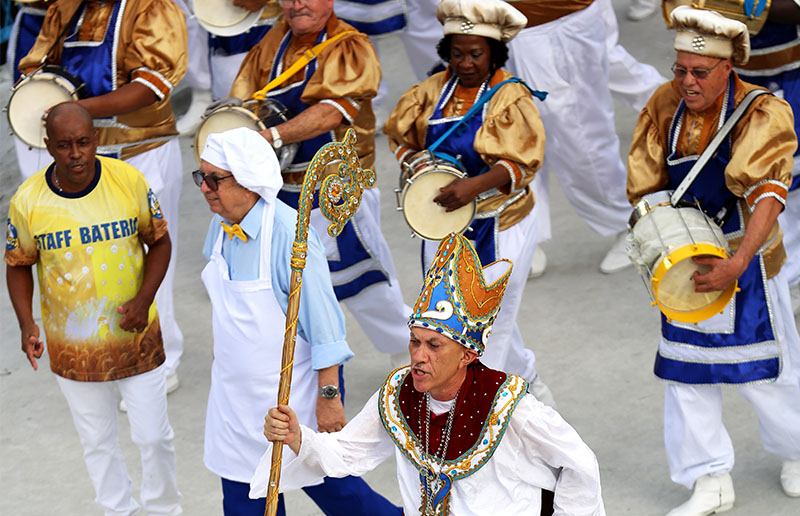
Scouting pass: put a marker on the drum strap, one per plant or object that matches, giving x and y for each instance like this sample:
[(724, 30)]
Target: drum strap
[(72, 20), (479, 104), (307, 57), (709, 151)]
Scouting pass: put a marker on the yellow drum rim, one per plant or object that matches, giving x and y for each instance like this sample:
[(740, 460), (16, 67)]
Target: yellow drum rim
[(683, 253)]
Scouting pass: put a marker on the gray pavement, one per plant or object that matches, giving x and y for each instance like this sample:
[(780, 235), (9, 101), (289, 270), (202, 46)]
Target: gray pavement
[(594, 336)]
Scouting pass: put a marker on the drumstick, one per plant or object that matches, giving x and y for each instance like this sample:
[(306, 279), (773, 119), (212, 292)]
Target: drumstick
[(339, 199)]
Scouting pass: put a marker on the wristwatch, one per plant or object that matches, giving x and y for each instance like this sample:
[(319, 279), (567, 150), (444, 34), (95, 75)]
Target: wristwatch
[(277, 143), (329, 392)]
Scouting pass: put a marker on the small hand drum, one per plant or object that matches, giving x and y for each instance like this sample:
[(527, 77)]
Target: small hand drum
[(662, 243), (34, 94), (270, 113), (426, 174)]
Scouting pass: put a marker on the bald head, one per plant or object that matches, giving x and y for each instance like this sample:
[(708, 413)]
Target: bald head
[(68, 113)]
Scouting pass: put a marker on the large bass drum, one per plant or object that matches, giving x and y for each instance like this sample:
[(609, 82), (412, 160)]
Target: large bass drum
[(425, 173), (33, 95), (269, 113), (662, 242)]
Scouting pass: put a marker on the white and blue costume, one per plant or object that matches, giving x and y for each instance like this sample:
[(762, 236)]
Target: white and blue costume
[(753, 344)]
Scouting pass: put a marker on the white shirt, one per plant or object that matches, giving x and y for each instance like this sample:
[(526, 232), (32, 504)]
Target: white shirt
[(538, 451)]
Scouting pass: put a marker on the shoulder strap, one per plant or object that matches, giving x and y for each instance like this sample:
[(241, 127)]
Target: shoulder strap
[(307, 57), (479, 104), (723, 132)]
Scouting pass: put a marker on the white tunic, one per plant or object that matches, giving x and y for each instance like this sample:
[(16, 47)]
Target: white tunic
[(539, 450)]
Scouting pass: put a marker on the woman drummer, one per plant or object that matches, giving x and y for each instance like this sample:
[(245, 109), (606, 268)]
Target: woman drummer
[(500, 147)]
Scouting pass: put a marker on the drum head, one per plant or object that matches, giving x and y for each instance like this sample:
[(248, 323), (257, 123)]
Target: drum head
[(220, 121), (30, 99), (674, 286), (222, 18), (428, 219)]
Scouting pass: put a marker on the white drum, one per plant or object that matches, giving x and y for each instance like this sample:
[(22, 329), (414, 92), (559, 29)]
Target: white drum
[(662, 242), (425, 174), (32, 96), (270, 113), (222, 18)]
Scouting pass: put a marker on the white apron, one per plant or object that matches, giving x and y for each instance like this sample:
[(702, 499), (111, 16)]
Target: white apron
[(248, 328)]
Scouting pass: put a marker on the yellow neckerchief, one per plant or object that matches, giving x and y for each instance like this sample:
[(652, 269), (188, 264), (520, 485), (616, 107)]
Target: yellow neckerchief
[(308, 55)]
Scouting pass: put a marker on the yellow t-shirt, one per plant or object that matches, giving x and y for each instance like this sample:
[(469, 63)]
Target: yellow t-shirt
[(90, 260)]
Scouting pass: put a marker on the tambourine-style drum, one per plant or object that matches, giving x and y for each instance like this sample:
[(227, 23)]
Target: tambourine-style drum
[(270, 113), (425, 174), (34, 94), (222, 18), (662, 242)]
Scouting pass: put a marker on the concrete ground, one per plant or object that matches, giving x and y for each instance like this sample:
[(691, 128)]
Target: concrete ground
[(594, 336)]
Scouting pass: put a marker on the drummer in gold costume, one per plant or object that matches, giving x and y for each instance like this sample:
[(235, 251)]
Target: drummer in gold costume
[(753, 344), (129, 54), (328, 95), (500, 147)]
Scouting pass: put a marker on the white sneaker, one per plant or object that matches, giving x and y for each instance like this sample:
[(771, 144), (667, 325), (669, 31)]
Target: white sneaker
[(711, 495), (190, 121), (616, 258), (790, 478), (794, 293), (542, 392), (172, 386), (539, 263), (640, 9)]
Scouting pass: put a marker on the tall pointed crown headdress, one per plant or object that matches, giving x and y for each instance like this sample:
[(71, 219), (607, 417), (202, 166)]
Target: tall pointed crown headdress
[(460, 299)]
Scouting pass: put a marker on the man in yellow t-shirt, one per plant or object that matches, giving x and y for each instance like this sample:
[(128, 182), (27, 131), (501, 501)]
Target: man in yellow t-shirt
[(84, 221)]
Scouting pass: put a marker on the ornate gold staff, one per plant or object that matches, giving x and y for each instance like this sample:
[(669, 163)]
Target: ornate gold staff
[(339, 198)]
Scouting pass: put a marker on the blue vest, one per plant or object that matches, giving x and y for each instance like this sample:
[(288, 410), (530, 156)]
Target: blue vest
[(752, 323), (352, 248), (26, 28), (786, 78), (459, 147), (94, 61), (289, 95)]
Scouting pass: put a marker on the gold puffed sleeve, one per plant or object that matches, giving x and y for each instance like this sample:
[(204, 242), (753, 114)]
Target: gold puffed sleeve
[(408, 123), (254, 71), (512, 131), (763, 145), (58, 14), (647, 166), (157, 53), (347, 69)]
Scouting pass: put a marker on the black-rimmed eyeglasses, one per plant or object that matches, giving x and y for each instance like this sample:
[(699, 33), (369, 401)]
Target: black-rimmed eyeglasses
[(211, 181)]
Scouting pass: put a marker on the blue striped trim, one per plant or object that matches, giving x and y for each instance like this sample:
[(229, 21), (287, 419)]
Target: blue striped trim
[(352, 288), (393, 24), (696, 373)]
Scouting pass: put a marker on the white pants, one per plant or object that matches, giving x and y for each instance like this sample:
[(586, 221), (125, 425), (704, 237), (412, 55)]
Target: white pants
[(29, 159), (423, 32), (223, 72), (506, 351), (695, 437), (571, 63), (94, 412), (198, 75), (162, 167), (379, 308), (629, 80), (789, 221)]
